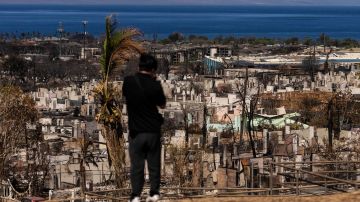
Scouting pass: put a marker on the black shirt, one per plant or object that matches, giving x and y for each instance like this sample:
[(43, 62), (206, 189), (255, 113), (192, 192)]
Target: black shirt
[(142, 102)]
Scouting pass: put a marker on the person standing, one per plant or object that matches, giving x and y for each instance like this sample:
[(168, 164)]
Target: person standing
[(143, 95)]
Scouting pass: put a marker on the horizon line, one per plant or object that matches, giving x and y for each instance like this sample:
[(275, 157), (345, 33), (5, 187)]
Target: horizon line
[(179, 4)]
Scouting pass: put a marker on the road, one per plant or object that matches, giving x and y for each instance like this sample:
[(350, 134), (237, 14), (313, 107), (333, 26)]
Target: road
[(349, 197)]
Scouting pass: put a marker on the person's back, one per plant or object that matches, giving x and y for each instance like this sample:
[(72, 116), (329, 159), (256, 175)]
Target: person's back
[(143, 95)]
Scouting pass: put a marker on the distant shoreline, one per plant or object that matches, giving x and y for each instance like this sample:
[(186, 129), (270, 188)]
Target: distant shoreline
[(170, 5), (211, 21)]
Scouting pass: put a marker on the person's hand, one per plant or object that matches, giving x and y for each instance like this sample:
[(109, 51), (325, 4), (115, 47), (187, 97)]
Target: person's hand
[(153, 74)]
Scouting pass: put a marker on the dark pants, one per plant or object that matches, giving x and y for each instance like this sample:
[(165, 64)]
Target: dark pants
[(145, 146)]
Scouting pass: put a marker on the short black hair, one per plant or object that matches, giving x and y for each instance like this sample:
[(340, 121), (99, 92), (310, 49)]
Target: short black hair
[(147, 62)]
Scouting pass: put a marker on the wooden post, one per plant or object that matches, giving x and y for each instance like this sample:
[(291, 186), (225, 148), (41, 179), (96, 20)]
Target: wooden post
[(347, 173), (259, 178), (252, 174), (297, 182), (102, 174), (326, 186), (60, 178), (271, 179)]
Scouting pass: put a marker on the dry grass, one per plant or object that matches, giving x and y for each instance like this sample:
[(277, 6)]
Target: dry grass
[(350, 197)]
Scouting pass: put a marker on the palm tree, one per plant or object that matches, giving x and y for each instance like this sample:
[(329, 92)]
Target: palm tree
[(119, 47)]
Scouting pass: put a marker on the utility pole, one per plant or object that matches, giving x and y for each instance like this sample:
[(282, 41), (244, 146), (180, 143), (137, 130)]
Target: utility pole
[(186, 61), (204, 127), (324, 41), (61, 32), (313, 63), (34, 68), (243, 113), (155, 36), (84, 26)]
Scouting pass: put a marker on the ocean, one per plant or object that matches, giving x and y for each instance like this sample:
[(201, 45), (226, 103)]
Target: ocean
[(211, 21)]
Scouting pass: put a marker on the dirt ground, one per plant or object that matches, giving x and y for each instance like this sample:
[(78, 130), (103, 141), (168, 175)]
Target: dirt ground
[(350, 197)]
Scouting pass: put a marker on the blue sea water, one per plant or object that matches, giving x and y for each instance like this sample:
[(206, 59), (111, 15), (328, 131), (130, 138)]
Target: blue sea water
[(259, 21)]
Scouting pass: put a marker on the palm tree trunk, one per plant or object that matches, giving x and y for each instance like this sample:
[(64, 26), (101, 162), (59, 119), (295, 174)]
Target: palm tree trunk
[(116, 149)]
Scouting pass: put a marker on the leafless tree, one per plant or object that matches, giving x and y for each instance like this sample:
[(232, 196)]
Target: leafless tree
[(17, 115)]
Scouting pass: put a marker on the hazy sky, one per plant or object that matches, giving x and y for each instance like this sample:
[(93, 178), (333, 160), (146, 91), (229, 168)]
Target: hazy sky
[(192, 2)]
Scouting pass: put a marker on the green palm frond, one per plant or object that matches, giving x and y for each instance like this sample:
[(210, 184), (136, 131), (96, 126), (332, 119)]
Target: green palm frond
[(119, 46)]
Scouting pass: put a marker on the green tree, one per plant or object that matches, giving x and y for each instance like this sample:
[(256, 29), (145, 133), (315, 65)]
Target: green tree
[(324, 39), (119, 47), (176, 37), (349, 43), (218, 39), (198, 39), (292, 41), (307, 41), (16, 67)]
